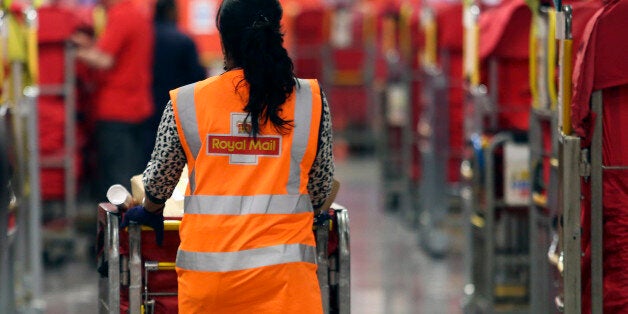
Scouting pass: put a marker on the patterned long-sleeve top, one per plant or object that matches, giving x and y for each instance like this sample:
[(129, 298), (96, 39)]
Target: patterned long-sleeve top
[(168, 160)]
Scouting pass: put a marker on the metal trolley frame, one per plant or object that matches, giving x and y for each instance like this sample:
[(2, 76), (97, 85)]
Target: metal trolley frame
[(394, 121), (578, 164), (573, 165), (21, 268), (434, 148), (58, 245), (334, 271), (338, 80), (497, 255), (544, 278), (437, 195)]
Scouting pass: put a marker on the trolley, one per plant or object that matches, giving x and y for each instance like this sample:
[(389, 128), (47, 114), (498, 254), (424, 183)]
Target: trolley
[(58, 145), (138, 276), (395, 118), (495, 166), (547, 241), (544, 279), (440, 125), (594, 179), (349, 72)]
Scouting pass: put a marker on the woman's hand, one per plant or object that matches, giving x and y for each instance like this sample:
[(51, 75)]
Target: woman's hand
[(140, 215)]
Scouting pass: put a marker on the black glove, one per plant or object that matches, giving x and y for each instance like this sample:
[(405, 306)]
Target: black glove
[(140, 215)]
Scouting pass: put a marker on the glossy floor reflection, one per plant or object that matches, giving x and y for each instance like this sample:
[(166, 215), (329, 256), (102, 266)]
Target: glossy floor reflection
[(390, 274)]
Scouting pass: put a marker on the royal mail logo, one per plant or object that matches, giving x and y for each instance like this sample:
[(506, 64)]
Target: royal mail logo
[(239, 146), (242, 145), (244, 127)]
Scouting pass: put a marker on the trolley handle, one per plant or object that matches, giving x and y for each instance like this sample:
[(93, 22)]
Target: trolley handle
[(169, 225)]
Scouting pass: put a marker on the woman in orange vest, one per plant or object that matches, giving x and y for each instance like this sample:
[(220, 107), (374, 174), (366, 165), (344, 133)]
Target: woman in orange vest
[(257, 142)]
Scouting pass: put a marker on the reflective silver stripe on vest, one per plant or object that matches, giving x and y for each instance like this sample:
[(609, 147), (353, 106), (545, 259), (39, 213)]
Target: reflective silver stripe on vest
[(246, 259), (243, 205), (302, 121), (186, 110)]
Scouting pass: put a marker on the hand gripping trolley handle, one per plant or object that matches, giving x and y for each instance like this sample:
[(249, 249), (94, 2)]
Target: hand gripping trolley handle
[(127, 280)]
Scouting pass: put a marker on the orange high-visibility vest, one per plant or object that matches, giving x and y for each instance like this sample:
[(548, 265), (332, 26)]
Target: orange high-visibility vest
[(246, 236)]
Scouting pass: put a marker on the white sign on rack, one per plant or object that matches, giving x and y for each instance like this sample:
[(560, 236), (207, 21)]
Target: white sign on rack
[(516, 174), (342, 29)]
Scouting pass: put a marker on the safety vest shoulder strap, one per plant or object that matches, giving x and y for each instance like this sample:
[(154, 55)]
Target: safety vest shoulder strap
[(302, 127), (185, 115), (186, 112)]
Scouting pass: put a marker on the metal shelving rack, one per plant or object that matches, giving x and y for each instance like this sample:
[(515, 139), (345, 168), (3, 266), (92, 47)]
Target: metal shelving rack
[(58, 244), (544, 278), (497, 257), (394, 124)]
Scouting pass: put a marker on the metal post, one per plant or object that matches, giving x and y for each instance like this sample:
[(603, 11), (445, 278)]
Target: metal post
[(490, 207), (570, 204), (31, 94), (493, 91), (5, 286), (569, 158), (344, 256), (472, 284), (489, 229), (441, 144), (35, 212), (135, 268), (406, 148), (434, 155), (20, 171), (538, 262), (18, 126), (6, 295), (112, 249), (322, 272), (70, 131), (597, 226), (20, 179), (540, 228)]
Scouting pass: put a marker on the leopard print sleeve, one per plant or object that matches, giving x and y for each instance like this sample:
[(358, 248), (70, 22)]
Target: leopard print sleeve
[(322, 172), (166, 162)]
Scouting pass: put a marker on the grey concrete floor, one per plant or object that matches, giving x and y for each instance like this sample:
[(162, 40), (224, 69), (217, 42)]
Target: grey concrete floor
[(390, 273)]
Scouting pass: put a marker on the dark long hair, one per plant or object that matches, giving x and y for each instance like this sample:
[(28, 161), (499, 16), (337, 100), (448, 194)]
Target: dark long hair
[(252, 40)]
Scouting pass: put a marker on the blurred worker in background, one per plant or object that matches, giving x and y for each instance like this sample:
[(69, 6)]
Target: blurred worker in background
[(123, 55), (258, 145), (175, 63)]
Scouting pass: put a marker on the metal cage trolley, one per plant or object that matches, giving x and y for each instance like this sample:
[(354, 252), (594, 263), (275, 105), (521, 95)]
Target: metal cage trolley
[(495, 169), (134, 278)]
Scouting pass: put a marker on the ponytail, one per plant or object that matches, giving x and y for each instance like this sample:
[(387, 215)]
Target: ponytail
[(252, 40)]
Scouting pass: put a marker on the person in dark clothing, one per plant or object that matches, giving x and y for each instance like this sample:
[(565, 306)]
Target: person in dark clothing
[(175, 63)]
